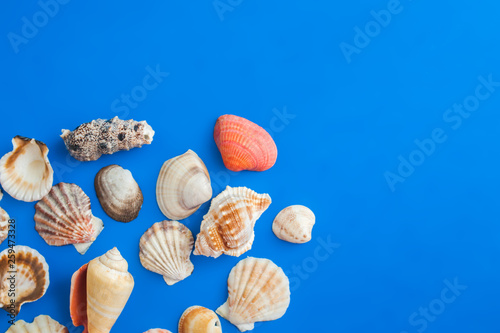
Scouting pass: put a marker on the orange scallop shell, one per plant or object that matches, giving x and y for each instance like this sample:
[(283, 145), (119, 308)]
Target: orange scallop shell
[(243, 144)]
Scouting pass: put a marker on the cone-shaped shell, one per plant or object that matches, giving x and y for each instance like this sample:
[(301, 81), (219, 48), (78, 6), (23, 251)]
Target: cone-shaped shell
[(183, 185), (228, 225), (64, 217), (25, 172), (31, 277), (109, 285), (294, 224), (4, 225), (197, 319), (243, 144), (258, 291), (78, 298), (157, 330), (165, 249), (90, 140), (118, 192), (41, 324)]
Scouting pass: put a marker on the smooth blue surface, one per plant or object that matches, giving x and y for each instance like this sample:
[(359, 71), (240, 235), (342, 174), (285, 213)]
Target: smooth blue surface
[(396, 246)]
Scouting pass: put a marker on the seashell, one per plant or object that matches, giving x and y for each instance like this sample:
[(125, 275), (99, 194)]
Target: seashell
[(197, 319), (78, 298), (157, 330), (165, 249), (42, 323), (25, 172), (31, 277), (228, 225), (90, 140), (1, 194), (294, 224), (258, 291), (243, 144), (64, 217), (183, 185), (4, 225), (118, 192)]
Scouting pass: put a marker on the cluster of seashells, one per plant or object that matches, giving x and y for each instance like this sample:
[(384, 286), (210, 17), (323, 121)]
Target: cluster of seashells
[(258, 290)]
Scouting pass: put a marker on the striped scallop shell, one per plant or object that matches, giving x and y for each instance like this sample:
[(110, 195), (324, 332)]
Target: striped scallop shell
[(294, 224), (41, 324), (228, 225), (64, 217), (31, 276), (197, 319), (25, 172), (243, 144), (165, 249), (258, 291), (4, 225)]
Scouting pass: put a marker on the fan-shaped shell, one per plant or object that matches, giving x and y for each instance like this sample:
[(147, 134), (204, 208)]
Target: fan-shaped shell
[(258, 291), (30, 277), (243, 144), (64, 217), (41, 324), (183, 185), (228, 225), (165, 249), (157, 330), (294, 224), (118, 192), (4, 225), (25, 172), (197, 319)]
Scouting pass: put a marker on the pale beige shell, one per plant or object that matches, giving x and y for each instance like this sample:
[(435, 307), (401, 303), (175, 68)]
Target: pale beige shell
[(4, 225), (197, 319), (118, 192), (165, 249), (64, 217), (157, 330), (25, 172), (258, 291), (41, 324), (109, 285), (294, 224), (31, 276), (183, 185), (228, 225)]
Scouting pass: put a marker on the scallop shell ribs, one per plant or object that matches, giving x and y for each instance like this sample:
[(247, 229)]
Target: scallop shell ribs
[(4, 225), (41, 324)]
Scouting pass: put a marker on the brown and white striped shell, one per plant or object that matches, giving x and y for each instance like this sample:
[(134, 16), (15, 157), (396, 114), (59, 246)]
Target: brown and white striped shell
[(30, 274), (228, 225), (165, 249), (258, 290), (294, 224), (41, 324), (64, 217), (198, 319), (4, 225)]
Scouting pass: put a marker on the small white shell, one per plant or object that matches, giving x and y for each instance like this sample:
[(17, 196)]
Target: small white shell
[(41, 324), (294, 224), (4, 225), (165, 249)]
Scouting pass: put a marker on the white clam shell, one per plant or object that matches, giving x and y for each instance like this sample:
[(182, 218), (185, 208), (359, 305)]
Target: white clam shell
[(294, 224), (183, 185), (41, 324), (25, 172), (165, 249), (4, 225)]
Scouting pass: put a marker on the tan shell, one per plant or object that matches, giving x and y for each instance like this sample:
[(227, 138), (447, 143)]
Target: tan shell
[(4, 225), (258, 291), (183, 185), (228, 225), (41, 324), (25, 172), (157, 330), (165, 249), (109, 285), (197, 319), (118, 192), (64, 217), (31, 277), (294, 224)]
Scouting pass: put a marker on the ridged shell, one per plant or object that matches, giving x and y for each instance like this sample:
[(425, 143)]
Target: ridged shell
[(25, 172), (41, 324), (165, 249), (243, 144), (118, 192), (64, 217), (183, 185), (228, 225), (4, 225), (90, 140), (294, 224), (258, 291), (197, 319), (31, 276), (157, 330)]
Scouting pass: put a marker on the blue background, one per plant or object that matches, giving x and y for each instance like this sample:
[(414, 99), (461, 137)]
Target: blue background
[(352, 122)]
